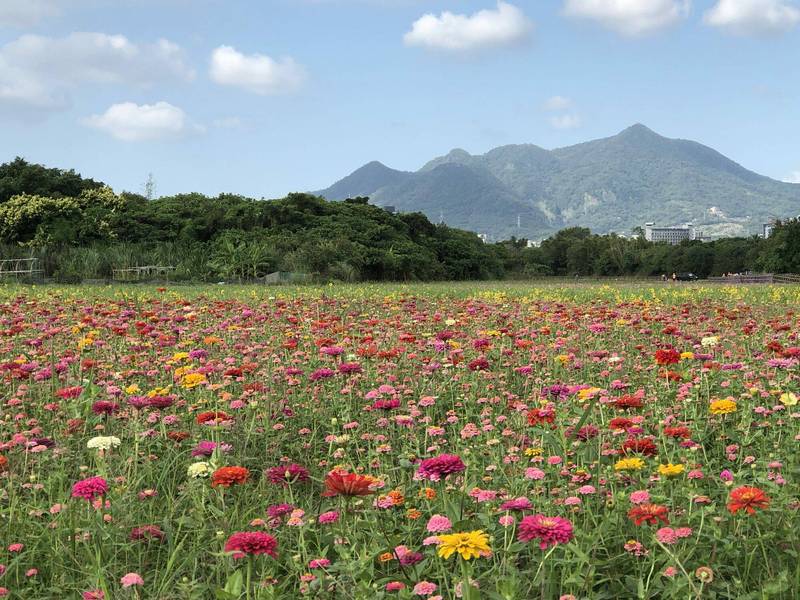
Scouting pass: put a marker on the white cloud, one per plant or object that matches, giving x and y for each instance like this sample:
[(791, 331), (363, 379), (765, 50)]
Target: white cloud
[(461, 33), (558, 103), (24, 13), (565, 121), (793, 178), (630, 17), (131, 122), (754, 17), (255, 73), (38, 72)]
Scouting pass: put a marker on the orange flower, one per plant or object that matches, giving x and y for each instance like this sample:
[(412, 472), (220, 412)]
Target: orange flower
[(396, 497), (348, 484), (3, 463), (747, 498), (413, 514), (211, 417), (227, 476)]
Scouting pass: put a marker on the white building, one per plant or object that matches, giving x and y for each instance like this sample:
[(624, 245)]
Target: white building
[(670, 235), (767, 229)]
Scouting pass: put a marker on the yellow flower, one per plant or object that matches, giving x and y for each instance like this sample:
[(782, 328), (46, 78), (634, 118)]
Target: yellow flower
[(722, 407), (563, 358), (687, 355), (587, 393), (470, 544), (191, 380), (670, 470), (788, 399), (629, 464), (132, 389)]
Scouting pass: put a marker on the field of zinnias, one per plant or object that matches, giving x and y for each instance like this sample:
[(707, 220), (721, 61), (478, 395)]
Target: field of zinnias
[(377, 442)]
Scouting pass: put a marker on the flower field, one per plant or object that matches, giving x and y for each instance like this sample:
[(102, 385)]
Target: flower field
[(427, 442)]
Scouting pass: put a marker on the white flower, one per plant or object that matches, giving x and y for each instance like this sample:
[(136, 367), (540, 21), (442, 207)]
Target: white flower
[(198, 469), (103, 442), (709, 342)]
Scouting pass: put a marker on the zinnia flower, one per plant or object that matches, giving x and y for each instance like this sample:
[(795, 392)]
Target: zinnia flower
[(548, 530), (439, 467), (470, 544), (228, 476), (722, 407), (246, 543), (131, 579), (648, 513), (348, 484), (747, 498), (289, 474), (90, 488)]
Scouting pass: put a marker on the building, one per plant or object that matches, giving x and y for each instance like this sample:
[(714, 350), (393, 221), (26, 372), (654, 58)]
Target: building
[(767, 229), (670, 235)]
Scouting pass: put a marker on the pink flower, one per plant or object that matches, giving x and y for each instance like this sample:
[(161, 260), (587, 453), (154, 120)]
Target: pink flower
[(683, 532), (438, 524), (16, 547), (319, 563), (328, 517), (666, 535), (439, 467), (517, 504), (395, 586), (131, 579), (424, 588), (534, 473), (640, 497), (670, 572), (90, 488), (507, 520), (93, 595), (548, 530), (246, 543)]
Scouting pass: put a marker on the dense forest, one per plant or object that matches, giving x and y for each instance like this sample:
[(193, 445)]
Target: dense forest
[(80, 229)]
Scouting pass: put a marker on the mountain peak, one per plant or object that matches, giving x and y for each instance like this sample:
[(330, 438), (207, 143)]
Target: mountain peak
[(639, 130)]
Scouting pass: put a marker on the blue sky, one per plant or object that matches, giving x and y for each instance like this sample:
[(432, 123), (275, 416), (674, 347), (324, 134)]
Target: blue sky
[(271, 96)]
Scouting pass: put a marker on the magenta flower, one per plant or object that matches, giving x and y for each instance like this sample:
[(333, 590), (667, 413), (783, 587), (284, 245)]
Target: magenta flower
[(548, 530), (439, 467), (90, 488)]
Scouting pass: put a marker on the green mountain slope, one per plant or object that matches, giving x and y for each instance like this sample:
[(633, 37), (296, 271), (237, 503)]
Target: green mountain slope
[(610, 184)]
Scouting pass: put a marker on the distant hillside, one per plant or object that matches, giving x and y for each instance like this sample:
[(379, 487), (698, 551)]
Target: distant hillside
[(610, 184)]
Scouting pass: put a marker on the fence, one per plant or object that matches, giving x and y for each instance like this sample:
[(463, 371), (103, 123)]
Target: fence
[(20, 267), (756, 278), (144, 273)]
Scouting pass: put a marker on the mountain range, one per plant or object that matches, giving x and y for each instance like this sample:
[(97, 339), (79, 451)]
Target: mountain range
[(612, 184)]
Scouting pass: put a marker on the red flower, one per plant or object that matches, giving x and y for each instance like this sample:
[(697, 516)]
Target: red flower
[(211, 417), (227, 476), (537, 416), (644, 446), (628, 401), (650, 513), (251, 542), (682, 432), (667, 357), (348, 484), (747, 498), (289, 474)]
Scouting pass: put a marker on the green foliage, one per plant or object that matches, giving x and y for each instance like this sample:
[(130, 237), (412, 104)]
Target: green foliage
[(20, 177), (234, 238)]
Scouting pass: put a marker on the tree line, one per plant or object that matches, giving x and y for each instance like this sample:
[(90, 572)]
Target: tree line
[(80, 229)]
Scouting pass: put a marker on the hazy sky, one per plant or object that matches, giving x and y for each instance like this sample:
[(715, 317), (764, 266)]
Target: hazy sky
[(264, 97)]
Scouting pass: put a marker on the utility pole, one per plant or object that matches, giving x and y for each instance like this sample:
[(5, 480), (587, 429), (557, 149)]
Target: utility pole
[(150, 187)]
